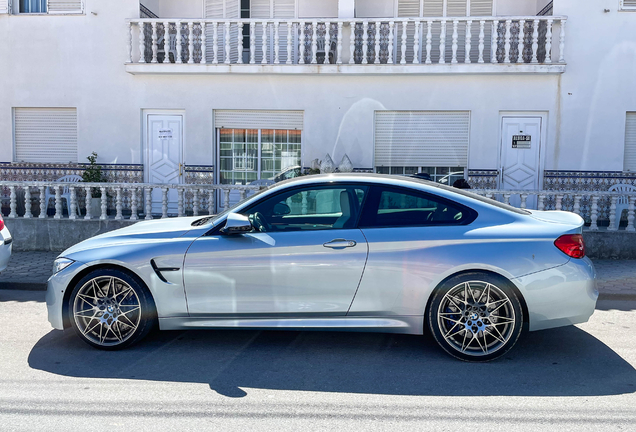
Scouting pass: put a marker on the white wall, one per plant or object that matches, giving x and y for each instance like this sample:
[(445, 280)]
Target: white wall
[(374, 8), (317, 9), (78, 61), (599, 86), (516, 7), (180, 9)]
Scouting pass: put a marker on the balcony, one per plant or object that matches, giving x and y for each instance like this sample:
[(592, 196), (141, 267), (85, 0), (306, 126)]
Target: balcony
[(457, 45)]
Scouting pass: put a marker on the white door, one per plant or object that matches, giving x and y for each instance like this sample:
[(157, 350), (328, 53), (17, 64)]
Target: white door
[(520, 155), (164, 157)]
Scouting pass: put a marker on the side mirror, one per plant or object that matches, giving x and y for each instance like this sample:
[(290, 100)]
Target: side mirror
[(281, 209), (236, 224)]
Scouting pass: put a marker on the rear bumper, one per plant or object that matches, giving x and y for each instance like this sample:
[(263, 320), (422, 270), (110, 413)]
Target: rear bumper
[(560, 296), (5, 249)]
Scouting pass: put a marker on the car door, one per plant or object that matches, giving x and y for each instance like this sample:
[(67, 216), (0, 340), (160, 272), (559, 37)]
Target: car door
[(413, 237), (305, 256)]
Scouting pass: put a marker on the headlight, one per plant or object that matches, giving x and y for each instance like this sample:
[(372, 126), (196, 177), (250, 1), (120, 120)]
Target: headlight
[(61, 263)]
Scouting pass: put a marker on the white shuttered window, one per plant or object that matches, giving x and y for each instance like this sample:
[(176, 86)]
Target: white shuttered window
[(65, 6), (47, 135), (258, 119), (630, 142), (4, 6), (628, 5), (421, 138)]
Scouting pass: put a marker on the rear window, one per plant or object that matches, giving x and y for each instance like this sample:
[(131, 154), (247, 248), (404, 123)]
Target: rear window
[(474, 196), (395, 207)]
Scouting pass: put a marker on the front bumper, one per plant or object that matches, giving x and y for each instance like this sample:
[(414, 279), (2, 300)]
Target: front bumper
[(55, 290), (560, 296)]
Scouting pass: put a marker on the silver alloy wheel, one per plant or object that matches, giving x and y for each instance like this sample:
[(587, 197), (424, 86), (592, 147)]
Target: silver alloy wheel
[(476, 318), (107, 310)]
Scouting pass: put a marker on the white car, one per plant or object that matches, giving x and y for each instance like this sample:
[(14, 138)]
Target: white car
[(5, 245)]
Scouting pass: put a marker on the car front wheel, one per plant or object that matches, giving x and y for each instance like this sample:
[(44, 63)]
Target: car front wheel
[(475, 316), (110, 309)]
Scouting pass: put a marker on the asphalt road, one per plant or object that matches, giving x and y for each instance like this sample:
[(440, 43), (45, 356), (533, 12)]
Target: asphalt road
[(577, 378)]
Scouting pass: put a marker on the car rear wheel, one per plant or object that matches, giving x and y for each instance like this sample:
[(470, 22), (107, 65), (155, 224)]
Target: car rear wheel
[(111, 310), (475, 316)]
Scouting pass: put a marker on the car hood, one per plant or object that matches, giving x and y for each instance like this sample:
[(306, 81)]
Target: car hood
[(141, 232)]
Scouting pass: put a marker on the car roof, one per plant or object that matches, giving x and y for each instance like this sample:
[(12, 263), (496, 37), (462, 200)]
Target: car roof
[(462, 196)]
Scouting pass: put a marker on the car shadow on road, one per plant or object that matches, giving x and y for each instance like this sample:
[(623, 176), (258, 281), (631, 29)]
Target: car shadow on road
[(560, 362)]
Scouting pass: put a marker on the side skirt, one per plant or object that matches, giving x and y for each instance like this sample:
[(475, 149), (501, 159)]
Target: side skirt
[(394, 324)]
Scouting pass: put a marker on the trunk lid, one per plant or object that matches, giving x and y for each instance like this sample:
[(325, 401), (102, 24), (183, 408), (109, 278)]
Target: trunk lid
[(569, 220)]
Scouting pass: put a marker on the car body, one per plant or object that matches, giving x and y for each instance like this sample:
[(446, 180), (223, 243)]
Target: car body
[(6, 244), (360, 252)]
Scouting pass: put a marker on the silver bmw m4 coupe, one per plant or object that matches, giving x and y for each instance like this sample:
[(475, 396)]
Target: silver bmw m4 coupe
[(356, 252)]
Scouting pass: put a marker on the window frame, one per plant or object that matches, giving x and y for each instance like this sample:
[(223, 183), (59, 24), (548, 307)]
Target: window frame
[(372, 202), (314, 186), (14, 9), (623, 8)]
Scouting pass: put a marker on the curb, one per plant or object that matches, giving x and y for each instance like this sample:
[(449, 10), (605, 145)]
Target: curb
[(24, 286)]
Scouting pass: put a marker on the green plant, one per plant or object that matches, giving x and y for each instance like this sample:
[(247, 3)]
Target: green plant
[(93, 174)]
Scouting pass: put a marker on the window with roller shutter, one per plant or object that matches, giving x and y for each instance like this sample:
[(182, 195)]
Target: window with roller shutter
[(45, 135), (52, 7), (627, 5), (421, 139)]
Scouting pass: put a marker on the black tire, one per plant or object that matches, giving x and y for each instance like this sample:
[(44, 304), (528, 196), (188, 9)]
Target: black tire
[(110, 309), (484, 327)]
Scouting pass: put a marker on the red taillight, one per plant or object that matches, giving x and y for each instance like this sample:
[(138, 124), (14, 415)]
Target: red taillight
[(1, 223), (572, 245)]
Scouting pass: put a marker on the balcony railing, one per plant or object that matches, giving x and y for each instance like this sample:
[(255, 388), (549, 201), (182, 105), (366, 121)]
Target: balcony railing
[(135, 201), (132, 201), (418, 45)]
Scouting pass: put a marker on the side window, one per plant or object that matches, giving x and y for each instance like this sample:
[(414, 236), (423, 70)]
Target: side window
[(317, 208), (394, 207)]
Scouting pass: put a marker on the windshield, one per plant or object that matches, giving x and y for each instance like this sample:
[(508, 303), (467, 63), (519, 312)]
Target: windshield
[(474, 196)]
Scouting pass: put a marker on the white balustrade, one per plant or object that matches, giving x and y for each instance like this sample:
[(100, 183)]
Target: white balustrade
[(454, 42), (467, 45), (264, 46), (378, 27), (104, 203), (276, 43), (548, 42), (507, 42), (190, 42), (535, 41), (180, 202), (403, 47), (429, 37), (203, 43), (239, 38), (493, 43), (133, 203), (289, 44), (309, 38), (442, 43), (352, 42), (154, 42), (87, 201), (27, 203), (72, 213), (481, 46), (314, 42), (416, 44), (520, 41), (118, 204), (58, 203), (365, 42), (166, 42), (148, 203), (164, 202)]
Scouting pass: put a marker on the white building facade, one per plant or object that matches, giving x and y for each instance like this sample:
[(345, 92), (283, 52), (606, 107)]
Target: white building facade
[(510, 94)]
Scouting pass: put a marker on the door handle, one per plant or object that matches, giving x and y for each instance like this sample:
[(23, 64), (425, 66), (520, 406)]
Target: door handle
[(339, 243), (180, 169)]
